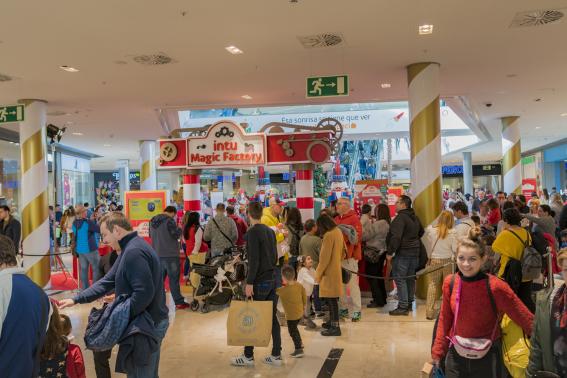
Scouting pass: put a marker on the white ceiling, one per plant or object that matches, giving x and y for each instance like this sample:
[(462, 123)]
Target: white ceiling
[(115, 104)]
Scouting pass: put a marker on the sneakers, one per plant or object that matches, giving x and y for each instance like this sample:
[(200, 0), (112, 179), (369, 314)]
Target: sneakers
[(298, 353), (356, 316), (273, 360), (242, 361), (326, 325), (182, 306), (343, 313), (333, 331), (310, 323), (399, 312)]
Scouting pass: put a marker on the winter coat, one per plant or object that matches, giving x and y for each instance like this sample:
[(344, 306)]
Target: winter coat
[(351, 218), (13, 230), (271, 221), (328, 272), (405, 233), (310, 245), (374, 234), (545, 223), (218, 242), (541, 355), (165, 236)]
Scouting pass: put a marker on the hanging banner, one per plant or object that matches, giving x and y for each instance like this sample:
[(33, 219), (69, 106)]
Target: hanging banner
[(141, 206), (528, 187), (394, 192)]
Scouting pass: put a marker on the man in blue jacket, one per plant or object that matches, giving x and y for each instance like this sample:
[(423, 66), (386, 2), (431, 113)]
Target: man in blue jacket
[(24, 313), (85, 246), (137, 274)]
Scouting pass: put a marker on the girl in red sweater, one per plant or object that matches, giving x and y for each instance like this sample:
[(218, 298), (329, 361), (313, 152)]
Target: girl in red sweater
[(476, 318)]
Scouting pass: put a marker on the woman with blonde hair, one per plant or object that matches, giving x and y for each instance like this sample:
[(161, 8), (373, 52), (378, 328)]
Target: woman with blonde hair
[(441, 240)]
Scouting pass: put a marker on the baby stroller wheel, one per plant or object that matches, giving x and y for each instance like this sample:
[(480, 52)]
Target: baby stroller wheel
[(194, 305), (204, 308)]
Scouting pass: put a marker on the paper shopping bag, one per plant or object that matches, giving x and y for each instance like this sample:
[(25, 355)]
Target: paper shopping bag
[(249, 323)]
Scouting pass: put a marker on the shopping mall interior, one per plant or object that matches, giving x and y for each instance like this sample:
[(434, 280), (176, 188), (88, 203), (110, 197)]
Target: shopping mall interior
[(295, 104)]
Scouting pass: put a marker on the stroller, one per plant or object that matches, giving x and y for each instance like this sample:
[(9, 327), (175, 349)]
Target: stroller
[(221, 280)]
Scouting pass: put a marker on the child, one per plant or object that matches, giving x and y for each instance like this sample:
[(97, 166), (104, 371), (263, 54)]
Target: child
[(293, 299), (472, 305), (306, 277), (75, 361), (563, 241), (54, 352), (310, 245)]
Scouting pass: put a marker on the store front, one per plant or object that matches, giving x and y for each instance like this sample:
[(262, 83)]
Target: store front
[(107, 186), (555, 167), (10, 180), (485, 176)]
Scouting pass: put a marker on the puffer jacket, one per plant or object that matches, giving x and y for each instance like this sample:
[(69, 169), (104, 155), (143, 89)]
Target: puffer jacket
[(405, 234), (351, 218), (271, 221), (212, 233), (541, 354)]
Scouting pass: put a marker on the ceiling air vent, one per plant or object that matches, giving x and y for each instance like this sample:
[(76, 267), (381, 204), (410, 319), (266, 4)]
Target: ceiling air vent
[(321, 40), (536, 18), (5, 78), (153, 59)]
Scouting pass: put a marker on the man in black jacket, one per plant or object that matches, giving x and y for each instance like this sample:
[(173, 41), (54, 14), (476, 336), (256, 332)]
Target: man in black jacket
[(10, 227), (260, 282), (404, 241)]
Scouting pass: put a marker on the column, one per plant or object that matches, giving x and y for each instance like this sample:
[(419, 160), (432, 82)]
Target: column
[(123, 178), (467, 173), (304, 190), (192, 190), (425, 140), (511, 155), (35, 214), (148, 175)]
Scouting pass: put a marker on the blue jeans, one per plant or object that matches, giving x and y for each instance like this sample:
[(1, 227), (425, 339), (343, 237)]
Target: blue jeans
[(316, 299), (151, 369), (170, 268), (266, 291), (403, 266), (86, 259)]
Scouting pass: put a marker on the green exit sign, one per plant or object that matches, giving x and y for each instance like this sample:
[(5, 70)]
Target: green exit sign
[(327, 86), (13, 113)]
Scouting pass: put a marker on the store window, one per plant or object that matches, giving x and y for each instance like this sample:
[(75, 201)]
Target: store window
[(75, 173), (10, 180)]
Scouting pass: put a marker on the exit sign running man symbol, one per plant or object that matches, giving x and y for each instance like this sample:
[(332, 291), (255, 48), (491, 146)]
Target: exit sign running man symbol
[(327, 86)]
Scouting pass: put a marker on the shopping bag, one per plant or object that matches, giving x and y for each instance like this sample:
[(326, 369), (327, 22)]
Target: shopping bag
[(249, 323), (199, 258), (515, 348)]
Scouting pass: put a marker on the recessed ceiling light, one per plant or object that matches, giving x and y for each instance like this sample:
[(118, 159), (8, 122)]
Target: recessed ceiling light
[(386, 85), (107, 145), (538, 127), (425, 29), (563, 114), (78, 134), (234, 50), (69, 69), (247, 97)]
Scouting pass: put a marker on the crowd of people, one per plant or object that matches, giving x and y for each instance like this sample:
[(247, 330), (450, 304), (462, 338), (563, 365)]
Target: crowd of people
[(478, 259)]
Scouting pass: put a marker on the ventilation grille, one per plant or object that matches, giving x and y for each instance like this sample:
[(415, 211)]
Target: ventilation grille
[(321, 40), (536, 18), (5, 78), (153, 59)]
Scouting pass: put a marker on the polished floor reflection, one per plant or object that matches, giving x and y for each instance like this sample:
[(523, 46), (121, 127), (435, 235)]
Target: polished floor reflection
[(378, 346)]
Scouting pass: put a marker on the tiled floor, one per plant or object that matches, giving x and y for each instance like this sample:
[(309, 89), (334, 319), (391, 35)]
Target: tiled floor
[(378, 346)]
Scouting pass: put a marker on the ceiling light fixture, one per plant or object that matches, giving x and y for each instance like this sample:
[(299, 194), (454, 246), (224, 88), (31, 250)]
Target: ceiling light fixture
[(386, 85), (538, 127), (563, 114), (78, 134), (107, 145), (69, 69), (234, 50), (247, 97), (425, 29)]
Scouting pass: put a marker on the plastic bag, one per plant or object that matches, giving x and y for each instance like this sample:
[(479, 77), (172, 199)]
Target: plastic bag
[(437, 373), (515, 348)]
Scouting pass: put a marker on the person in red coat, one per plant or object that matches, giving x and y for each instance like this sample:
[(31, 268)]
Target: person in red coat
[(241, 226), (478, 315), (347, 216), (75, 362)]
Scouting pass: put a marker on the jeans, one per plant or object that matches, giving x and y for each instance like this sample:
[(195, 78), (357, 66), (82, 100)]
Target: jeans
[(294, 333), (316, 299), (170, 268), (102, 363), (266, 291), (86, 259), (404, 266), (151, 369), (351, 264), (377, 286)]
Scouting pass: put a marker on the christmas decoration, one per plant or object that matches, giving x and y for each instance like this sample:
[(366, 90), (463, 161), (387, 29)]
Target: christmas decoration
[(319, 183)]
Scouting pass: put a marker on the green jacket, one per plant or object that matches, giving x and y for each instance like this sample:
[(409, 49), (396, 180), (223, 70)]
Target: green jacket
[(541, 355)]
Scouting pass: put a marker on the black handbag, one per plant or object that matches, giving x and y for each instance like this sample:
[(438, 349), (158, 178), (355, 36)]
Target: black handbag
[(371, 254), (346, 275), (423, 258)]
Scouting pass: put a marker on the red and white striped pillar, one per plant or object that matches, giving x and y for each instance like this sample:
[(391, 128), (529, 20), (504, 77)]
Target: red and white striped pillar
[(192, 191), (304, 191)]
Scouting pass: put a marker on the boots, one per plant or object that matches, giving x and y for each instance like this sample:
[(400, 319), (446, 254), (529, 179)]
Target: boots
[(333, 330)]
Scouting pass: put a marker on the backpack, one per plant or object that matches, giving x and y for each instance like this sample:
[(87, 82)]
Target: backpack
[(350, 232), (531, 260)]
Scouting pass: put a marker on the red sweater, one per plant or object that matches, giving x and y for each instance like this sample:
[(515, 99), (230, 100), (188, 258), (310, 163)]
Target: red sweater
[(75, 363), (476, 314), (493, 217), (241, 227)]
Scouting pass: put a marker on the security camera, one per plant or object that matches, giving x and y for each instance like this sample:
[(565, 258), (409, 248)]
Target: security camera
[(488, 104)]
